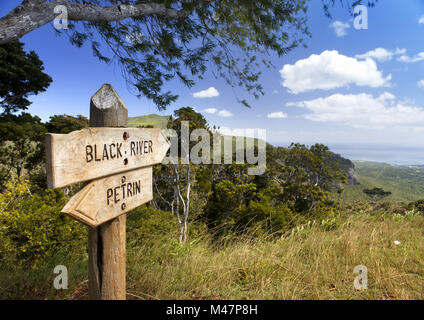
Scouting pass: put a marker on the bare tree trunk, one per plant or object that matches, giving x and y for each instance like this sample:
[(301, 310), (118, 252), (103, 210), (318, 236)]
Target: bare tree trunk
[(187, 206), (184, 201)]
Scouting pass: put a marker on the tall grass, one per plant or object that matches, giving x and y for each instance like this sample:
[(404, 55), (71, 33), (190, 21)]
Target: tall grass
[(315, 261), (18, 281), (310, 263)]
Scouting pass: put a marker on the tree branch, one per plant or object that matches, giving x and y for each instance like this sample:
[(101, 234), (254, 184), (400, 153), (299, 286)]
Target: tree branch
[(32, 14)]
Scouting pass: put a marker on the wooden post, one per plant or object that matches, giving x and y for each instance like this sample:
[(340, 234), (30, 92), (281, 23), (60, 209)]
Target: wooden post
[(106, 243)]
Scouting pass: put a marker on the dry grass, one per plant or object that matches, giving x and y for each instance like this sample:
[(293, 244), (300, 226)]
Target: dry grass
[(309, 264)]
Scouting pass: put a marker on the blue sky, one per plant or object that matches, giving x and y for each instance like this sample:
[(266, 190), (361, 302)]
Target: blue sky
[(339, 90)]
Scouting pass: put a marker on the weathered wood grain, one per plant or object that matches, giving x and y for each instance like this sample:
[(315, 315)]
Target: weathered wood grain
[(93, 153), (107, 243), (107, 260), (104, 199)]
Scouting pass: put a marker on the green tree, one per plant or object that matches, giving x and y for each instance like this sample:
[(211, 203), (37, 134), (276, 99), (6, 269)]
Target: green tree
[(232, 189), (21, 144), (376, 194), (304, 175), (155, 42), (173, 182), (21, 75), (66, 124), (240, 204)]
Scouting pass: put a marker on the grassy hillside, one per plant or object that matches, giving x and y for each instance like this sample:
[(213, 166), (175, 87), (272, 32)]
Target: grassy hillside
[(154, 120), (158, 121), (405, 183)]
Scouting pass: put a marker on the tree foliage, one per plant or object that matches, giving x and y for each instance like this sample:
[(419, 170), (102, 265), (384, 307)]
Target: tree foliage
[(66, 124), (173, 182), (21, 144), (155, 42), (234, 37), (21, 75), (377, 194)]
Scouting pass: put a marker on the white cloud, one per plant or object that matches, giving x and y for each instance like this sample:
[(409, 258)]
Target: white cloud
[(386, 96), (331, 70), (379, 54), (275, 92), (421, 20), (340, 28), (277, 115), (210, 110), (225, 113), (407, 59), (209, 93), (363, 111), (242, 132), (420, 83), (400, 51), (221, 113), (292, 104)]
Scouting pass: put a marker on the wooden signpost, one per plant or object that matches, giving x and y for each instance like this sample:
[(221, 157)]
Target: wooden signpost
[(92, 153), (119, 162), (107, 198)]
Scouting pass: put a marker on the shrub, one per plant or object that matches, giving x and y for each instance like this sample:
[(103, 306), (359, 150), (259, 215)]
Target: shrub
[(32, 226), (146, 223), (417, 205), (263, 217)]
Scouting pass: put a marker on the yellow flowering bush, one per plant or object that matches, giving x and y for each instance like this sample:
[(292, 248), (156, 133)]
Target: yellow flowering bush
[(32, 226)]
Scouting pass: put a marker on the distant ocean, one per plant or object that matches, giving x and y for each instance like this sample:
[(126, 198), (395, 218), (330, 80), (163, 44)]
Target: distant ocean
[(400, 155)]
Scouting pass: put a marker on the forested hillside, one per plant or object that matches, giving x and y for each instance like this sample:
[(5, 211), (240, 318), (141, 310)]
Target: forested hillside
[(405, 182)]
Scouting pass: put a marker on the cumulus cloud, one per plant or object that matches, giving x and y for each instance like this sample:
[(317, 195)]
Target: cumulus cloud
[(292, 104), (386, 96), (420, 83), (363, 111), (340, 28), (421, 20), (277, 115), (400, 51), (407, 59), (220, 113), (210, 110), (208, 93), (225, 113), (242, 132), (331, 70), (379, 54)]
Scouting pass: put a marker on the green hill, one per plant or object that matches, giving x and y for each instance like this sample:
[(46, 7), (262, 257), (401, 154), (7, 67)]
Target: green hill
[(405, 182), (154, 120), (157, 121)]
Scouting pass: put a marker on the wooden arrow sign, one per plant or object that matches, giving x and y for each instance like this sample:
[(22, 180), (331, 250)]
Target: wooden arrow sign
[(93, 153), (104, 199)]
